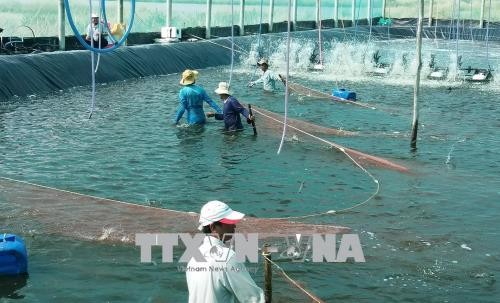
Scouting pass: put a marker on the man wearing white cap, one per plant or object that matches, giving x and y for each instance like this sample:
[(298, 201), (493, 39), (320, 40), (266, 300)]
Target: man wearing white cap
[(98, 31), (231, 111), (220, 278), (268, 78)]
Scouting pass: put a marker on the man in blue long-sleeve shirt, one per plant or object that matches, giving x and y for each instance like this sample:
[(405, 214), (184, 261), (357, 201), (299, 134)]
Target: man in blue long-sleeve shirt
[(191, 99), (232, 109)]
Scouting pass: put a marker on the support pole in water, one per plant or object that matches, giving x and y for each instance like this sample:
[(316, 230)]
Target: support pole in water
[(62, 24), (318, 4), (168, 22), (294, 15), (353, 12), (369, 13), (416, 91), (209, 19), (242, 17), (481, 17), (271, 15), (383, 8), (119, 11), (336, 13), (268, 275), (431, 6)]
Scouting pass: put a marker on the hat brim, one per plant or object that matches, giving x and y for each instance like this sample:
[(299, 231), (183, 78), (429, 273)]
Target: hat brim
[(222, 92), (232, 218)]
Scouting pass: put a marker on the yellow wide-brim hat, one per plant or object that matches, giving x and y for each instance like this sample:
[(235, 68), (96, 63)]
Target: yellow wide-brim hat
[(189, 77)]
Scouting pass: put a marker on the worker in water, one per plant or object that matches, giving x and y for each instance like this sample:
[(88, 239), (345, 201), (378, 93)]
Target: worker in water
[(231, 111), (268, 78), (191, 99), (220, 277), (98, 31)]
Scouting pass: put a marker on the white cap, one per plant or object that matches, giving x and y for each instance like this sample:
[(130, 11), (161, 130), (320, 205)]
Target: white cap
[(217, 211), (94, 15)]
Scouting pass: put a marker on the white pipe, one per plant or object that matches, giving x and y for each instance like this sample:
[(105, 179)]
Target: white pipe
[(481, 18), (416, 91), (318, 3), (353, 12), (242, 17), (169, 13), (62, 24), (336, 13), (383, 8), (431, 6), (294, 15), (120, 11), (208, 19), (271, 14), (369, 13)]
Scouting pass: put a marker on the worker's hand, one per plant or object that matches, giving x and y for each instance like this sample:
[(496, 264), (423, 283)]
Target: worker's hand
[(282, 79), (210, 114), (250, 84), (250, 119)]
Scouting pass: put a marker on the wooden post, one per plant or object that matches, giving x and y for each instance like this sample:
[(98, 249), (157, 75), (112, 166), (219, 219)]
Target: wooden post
[(294, 15), (268, 275), (431, 6), (383, 8), (209, 19), (353, 12), (416, 91), (318, 4), (336, 13), (242, 17), (481, 17), (271, 14), (119, 11), (169, 13), (369, 13), (62, 24)]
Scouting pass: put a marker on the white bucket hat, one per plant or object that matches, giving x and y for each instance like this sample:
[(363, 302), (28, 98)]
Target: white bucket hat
[(217, 211), (263, 61), (94, 15), (223, 89)]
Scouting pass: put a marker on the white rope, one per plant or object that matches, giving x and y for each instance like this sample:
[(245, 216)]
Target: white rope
[(232, 43), (340, 148), (89, 196), (92, 59), (287, 75), (487, 38), (295, 283)]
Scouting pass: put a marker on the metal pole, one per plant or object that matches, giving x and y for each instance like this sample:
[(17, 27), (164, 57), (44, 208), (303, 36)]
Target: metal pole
[(369, 13), (268, 275), (242, 17), (271, 13), (431, 6), (383, 8), (62, 24), (353, 12), (481, 18), (416, 91), (336, 13), (168, 22), (209, 18), (120, 11), (294, 15), (318, 3)]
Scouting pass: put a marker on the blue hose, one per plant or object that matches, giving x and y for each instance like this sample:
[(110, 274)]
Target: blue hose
[(82, 41)]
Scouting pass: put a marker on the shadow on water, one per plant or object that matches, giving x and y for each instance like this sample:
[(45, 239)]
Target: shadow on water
[(10, 285)]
